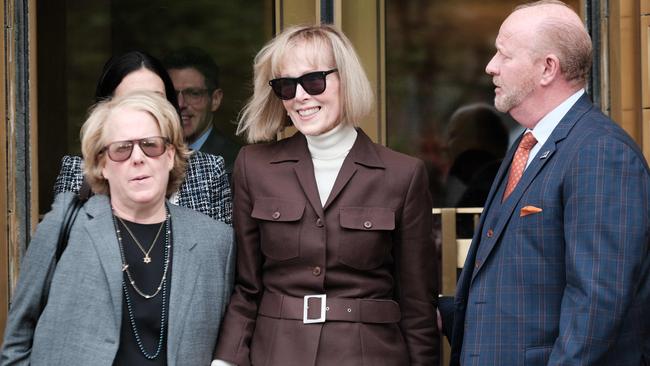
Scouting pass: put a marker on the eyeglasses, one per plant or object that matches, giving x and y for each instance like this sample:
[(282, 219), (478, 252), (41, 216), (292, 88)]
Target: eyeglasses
[(192, 95), (313, 83), (151, 146)]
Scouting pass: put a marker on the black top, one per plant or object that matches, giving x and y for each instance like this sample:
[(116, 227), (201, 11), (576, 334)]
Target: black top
[(146, 312)]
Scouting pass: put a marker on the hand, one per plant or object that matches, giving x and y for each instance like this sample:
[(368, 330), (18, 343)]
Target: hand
[(445, 315)]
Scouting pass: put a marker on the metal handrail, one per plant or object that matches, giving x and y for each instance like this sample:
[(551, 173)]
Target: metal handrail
[(454, 249)]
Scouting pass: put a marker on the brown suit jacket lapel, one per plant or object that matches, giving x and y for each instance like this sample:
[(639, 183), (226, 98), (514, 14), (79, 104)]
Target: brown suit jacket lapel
[(363, 153), (296, 150)]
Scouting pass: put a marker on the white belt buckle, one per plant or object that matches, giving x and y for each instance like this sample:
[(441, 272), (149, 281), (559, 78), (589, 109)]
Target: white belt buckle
[(305, 308)]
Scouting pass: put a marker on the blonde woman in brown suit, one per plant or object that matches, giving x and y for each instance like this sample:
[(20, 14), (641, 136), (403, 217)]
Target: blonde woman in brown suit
[(335, 256)]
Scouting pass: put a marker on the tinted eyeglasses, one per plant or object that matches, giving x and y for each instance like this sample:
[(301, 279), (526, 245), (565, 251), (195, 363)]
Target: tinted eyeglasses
[(313, 83), (192, 95), (151, 146)]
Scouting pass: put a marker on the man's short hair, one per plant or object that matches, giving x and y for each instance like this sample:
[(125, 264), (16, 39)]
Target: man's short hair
[(195, 58)]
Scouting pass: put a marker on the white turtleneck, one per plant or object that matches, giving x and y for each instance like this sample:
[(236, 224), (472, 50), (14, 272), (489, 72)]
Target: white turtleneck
[(327, 153)]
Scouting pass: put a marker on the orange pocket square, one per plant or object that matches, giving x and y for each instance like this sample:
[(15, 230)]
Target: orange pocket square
[(529, 210)]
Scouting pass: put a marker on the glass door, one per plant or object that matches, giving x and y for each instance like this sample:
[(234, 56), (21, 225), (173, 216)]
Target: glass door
[(439, 98), (76, 37)]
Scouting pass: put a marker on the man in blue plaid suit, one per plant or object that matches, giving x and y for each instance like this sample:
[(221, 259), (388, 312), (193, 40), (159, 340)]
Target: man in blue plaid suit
[(557, 273)]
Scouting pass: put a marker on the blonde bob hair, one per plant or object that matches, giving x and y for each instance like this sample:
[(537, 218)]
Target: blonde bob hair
[(264, 115), (93, 138)]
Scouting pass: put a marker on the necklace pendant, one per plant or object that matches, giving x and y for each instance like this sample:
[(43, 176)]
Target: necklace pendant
[(146, 259)]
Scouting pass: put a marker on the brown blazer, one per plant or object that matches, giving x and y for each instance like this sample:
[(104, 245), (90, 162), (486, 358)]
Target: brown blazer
[(370, 250)]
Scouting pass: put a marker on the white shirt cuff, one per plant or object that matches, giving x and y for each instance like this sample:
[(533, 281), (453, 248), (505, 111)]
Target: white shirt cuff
[(221, 363)]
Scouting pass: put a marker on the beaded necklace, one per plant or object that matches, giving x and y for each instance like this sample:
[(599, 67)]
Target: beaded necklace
[(162, 286)]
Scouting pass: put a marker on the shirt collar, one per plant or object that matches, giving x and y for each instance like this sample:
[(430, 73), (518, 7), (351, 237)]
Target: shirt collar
[(542, 131), (198, 143)]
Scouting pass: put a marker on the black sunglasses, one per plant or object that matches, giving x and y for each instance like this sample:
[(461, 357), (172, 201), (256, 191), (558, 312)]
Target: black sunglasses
[(151, 146), (313, 83)]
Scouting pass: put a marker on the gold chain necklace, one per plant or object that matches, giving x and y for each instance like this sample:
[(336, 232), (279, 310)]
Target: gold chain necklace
[(147, 258), (125, 266)]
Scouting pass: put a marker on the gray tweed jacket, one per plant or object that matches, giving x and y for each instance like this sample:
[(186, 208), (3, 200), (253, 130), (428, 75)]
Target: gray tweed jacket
[(206, 188), (81, 322)]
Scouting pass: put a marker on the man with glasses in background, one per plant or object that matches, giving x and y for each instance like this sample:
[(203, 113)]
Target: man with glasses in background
[(196, 79)]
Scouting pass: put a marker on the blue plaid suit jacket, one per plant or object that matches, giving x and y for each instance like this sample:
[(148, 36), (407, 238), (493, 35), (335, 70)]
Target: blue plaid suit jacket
[(205, 189), (567, 285)]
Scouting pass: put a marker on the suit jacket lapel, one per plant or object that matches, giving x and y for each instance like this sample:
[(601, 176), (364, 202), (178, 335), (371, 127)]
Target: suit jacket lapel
[(101, 229), (184, 272), (463, 282), (345, 174), (305, 172), (548, 152), (361, 153), (212, 142), (501, 175), (295, 149)]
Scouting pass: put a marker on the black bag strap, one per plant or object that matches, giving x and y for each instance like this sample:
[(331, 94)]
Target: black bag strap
[(70, 216)]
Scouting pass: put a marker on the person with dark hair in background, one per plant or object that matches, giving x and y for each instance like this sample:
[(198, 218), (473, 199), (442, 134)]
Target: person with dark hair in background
[(134, 70), (206, 188), (557, 272), (196, 81), (477, 140)]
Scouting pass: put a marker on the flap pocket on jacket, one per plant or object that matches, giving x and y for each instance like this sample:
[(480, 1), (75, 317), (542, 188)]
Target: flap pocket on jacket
[(365, 241), (279, 226), (537, 355), (367, 218), (277, 209)]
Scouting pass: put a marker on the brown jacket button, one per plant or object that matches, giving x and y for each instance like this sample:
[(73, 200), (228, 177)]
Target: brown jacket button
[(367, 224), (319, 222), (316, 271), (490, 233), (276, 215)]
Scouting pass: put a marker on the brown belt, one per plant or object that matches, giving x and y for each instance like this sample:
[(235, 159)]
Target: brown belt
[(336, 309)]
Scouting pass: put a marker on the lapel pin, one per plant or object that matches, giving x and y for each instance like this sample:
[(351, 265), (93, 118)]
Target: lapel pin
[(545, 154)]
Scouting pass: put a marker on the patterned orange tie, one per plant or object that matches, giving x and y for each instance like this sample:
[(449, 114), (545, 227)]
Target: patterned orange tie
[(519, 163)]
